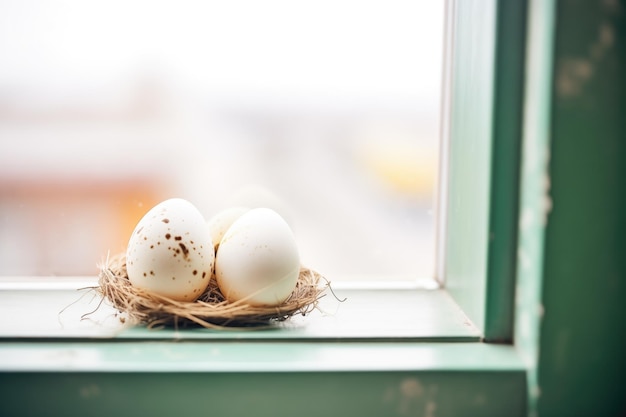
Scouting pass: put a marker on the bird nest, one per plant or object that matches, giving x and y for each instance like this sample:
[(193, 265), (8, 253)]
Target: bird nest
[(210, 310)]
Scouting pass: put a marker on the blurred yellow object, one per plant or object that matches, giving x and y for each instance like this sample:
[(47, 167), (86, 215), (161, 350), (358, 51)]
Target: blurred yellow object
[(403, 165)]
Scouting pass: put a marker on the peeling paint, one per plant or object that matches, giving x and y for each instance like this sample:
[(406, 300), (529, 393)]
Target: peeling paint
[(572, 75), (607, 35), (410, 392), (546, 199), (604, 42), (90, 391), (575, 72), (411, 398), (536, 202), (611, 6), (429, 410), (410, 388)]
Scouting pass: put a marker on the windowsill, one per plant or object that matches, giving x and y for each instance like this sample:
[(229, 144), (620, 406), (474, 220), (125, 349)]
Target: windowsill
[(381, 352), (53, 308), (46, 333), (256, 356)]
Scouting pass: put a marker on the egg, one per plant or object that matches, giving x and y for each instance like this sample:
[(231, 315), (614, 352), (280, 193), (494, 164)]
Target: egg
[(170, 252), (257, 260), (222, 220)]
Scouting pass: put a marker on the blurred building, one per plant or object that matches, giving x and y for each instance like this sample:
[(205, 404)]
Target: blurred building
[(327, 111)]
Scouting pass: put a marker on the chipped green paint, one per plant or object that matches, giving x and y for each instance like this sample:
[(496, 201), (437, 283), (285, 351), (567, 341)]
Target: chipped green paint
[(571, 269), (535, 199), (369, 394), (582, 343), (260, 378)]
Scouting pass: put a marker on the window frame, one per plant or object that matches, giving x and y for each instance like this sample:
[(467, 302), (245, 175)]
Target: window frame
[(478, 375), (484, 152)]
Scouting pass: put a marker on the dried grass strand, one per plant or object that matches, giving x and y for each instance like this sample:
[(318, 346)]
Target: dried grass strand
[(211, 310)]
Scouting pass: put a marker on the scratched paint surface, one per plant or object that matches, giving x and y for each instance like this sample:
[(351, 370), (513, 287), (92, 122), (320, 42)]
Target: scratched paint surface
[(581, 345), (264, 394), (570, 289), (535, 200)]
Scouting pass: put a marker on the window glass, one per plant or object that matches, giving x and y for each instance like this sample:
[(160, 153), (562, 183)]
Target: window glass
[(327, 111)]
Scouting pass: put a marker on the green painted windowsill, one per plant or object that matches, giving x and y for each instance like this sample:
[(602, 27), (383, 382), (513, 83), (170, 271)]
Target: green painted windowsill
[(69, 308), (255, 356), (45, 330), (380, 352)]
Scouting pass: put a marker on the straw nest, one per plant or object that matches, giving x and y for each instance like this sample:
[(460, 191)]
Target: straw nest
[(211, 310)]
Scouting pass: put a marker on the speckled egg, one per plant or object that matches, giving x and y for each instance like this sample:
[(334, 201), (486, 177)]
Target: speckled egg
[(257, 260), (170, 252)]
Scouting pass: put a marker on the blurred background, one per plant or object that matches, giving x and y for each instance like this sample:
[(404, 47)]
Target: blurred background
[(327, 111)]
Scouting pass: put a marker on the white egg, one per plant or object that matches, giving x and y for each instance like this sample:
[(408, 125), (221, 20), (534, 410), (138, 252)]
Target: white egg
[(171, 251), (257, 260), (221, 221)]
